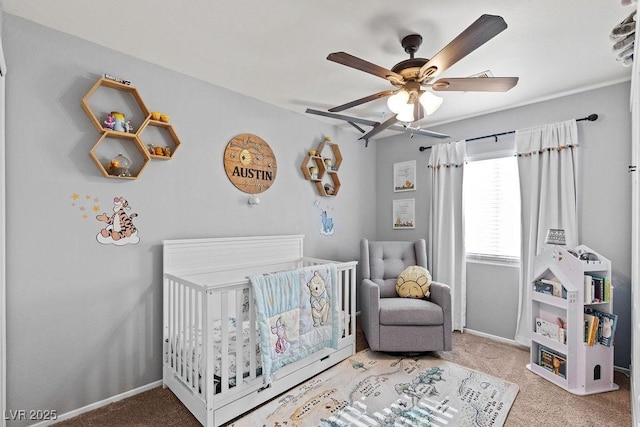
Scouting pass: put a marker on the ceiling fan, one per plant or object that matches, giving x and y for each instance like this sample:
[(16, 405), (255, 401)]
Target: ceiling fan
[(410, 99)]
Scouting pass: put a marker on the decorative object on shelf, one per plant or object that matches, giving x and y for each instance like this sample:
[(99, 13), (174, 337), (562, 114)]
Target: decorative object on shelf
[(116, 79), (325, 178), (119, 124), (314, 172), (555, 236), (116, 130), (328, 188), (164, 118), (119, 166), (155, 115), (404, 176), (250, 163), (109, 122), (404, 214)]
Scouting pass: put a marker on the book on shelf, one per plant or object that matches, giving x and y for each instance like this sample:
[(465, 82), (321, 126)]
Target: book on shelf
[(600, 327), (590, 328), (607, 323), (596, 289), (552, 361), (552, 330), (550, 287)]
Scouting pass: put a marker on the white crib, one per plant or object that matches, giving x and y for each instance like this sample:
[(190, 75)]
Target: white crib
[(206, 283)]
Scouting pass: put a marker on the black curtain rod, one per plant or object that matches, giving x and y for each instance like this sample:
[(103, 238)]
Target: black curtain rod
[(591, 118)]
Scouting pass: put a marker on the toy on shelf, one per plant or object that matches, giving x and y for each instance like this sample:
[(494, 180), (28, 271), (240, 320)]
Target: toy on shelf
[(119, 124), (119, 166), (110, 122)]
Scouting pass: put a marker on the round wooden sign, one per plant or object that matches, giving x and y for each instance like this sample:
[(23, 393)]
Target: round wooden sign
[(250, 164)]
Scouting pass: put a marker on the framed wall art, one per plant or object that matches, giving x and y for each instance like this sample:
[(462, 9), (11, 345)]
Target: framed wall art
[(404, 215), (404, 176)]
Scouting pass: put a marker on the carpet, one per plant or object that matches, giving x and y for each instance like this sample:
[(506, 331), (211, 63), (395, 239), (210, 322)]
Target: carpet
[(379, 389)]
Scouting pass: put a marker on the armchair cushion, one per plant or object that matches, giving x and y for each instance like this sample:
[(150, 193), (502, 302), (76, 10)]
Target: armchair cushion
[(413, 282), (407, 312)]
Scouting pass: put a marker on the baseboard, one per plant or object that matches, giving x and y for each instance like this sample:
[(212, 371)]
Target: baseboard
[(625, 371), (100, 404), (495, 338)]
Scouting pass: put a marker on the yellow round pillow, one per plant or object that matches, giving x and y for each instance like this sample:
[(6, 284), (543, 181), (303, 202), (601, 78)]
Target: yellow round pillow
[(413, 282)]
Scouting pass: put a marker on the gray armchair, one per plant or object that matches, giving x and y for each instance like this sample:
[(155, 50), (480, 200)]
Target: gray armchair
[(394, 324)]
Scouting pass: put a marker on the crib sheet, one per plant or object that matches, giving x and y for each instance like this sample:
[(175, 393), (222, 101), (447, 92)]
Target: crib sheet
[(187, 352), (185, 348)]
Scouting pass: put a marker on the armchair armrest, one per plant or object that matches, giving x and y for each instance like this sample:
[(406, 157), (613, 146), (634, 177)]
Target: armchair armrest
[(441, 295), (370, 312)]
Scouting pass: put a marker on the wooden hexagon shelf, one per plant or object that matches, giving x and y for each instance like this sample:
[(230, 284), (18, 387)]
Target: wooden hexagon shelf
[(326, 181), (110, 145), (130, 103), (159, 138), (126, 100)]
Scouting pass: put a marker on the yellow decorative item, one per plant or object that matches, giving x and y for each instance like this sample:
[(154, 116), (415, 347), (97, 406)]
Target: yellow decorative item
[(413, 282), (164, 118), (155, 115)]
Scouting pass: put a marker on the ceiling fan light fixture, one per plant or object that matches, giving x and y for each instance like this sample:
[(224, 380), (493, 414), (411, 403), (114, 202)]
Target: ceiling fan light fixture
[(406, 114), (430, 102), (397, 101)]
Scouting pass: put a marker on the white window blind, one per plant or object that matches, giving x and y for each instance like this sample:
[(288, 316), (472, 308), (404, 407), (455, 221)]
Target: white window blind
[(492, 209)]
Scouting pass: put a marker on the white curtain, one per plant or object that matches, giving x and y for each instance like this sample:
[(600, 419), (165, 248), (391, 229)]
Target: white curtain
[(548, 169), (446, 225)]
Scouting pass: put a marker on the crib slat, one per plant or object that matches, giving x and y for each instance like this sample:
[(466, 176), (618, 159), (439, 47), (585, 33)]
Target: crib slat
[(253, 339), (239, 337), (224, 365), (197, 324), (208, 350), (174, 329)]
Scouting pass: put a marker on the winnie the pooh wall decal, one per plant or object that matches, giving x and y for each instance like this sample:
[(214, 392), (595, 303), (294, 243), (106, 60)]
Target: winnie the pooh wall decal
[(119, 229), (250, 164)]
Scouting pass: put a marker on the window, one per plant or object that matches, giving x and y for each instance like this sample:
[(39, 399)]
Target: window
[(492, 209)]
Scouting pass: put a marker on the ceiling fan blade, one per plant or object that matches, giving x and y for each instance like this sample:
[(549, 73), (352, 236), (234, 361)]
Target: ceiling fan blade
[(380, 127), (343, 117), (362, 100), (362, 65), (372, 123), (481, 31), (475, 84), (419, 131)]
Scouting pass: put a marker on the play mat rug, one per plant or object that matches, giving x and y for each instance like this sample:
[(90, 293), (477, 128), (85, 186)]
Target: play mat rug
[(378, 389)]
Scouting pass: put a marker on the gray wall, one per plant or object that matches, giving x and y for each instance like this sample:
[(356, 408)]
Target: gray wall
[(604, 197), (85, 319)]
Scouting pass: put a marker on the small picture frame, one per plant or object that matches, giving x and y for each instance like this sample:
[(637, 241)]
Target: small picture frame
[(404, 176), (404, 214)]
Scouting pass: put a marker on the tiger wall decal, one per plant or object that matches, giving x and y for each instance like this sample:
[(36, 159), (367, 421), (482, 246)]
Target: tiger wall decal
[(120, 229)]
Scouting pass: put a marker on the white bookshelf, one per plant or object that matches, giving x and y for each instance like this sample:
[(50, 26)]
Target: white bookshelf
[(587, 369)]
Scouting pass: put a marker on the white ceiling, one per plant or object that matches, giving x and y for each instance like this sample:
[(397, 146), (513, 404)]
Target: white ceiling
[(275, 50)]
